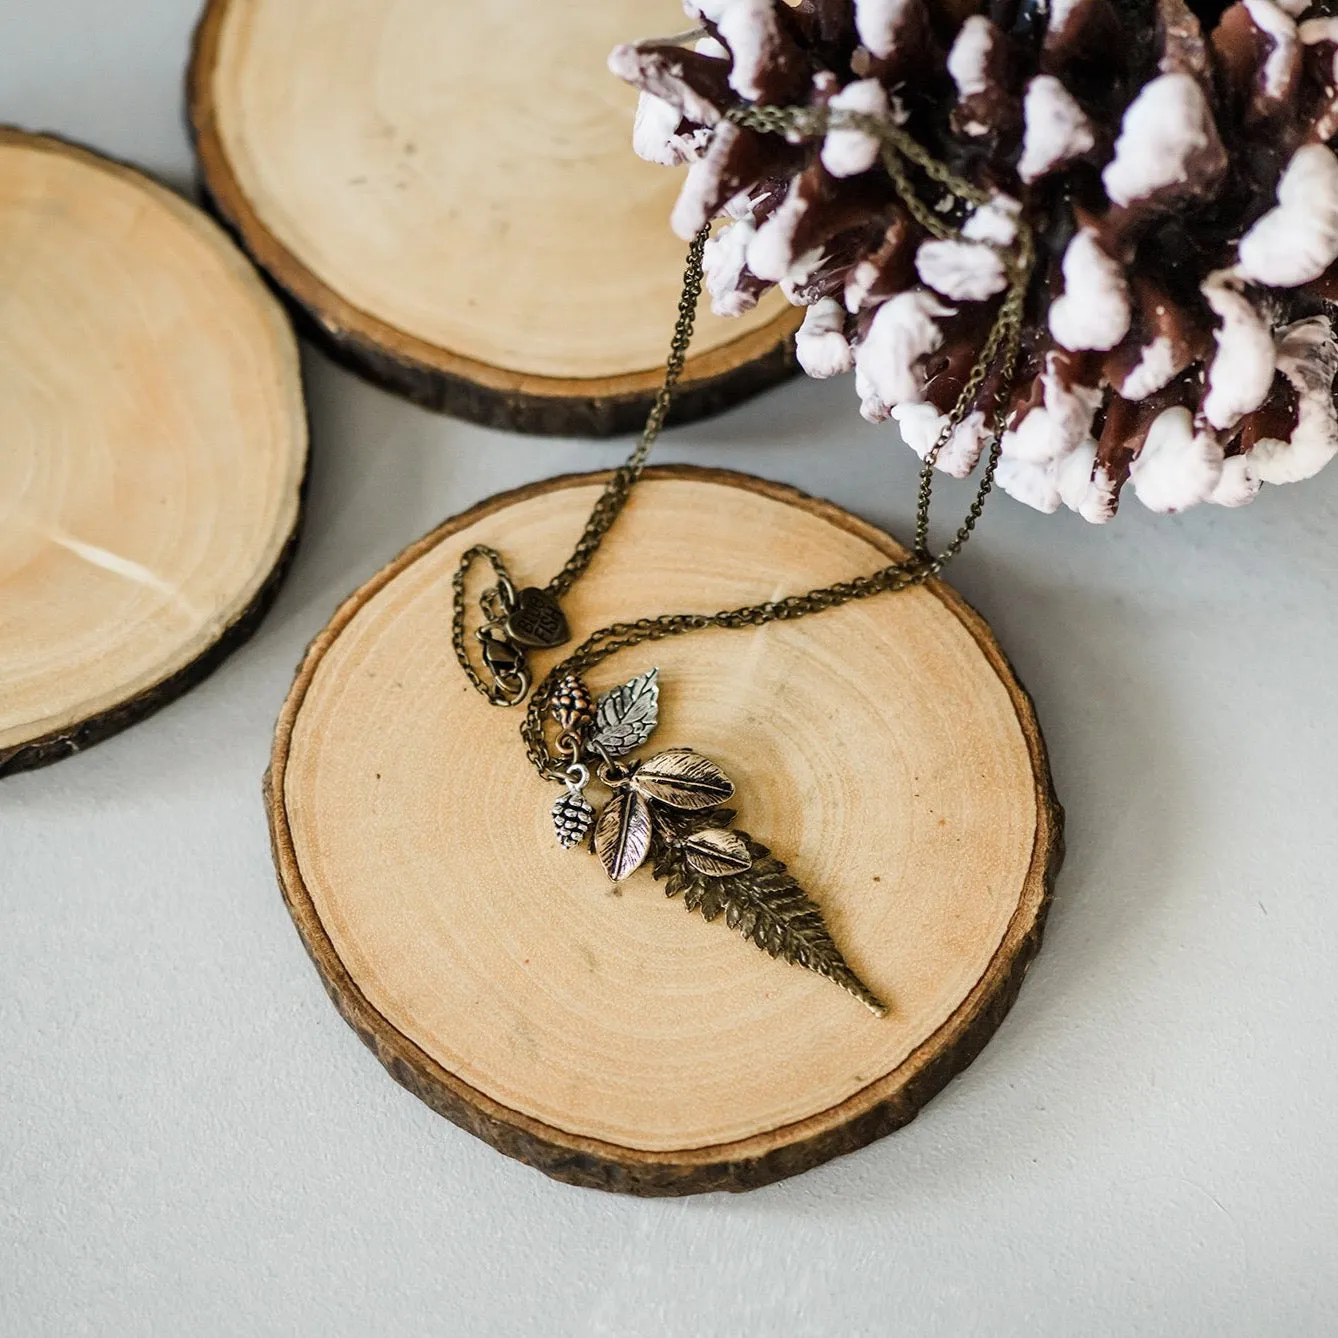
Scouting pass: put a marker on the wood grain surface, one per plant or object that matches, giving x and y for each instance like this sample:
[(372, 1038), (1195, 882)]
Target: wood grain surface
[(450, 194), (155, 447), (883, 749)]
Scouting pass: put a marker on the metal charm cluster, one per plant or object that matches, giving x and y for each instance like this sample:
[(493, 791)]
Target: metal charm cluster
[(645, 794), (668, 809)]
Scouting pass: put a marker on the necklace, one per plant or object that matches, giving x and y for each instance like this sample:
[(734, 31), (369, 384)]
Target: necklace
[(669, 810)]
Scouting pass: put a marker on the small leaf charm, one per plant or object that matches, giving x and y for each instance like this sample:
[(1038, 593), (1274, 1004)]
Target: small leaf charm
[(622, 834), (626, 716), (717, 852), (572, 819), (682, 778)]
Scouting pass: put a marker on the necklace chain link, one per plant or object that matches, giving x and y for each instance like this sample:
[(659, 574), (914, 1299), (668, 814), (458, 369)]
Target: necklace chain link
[(511, 679)]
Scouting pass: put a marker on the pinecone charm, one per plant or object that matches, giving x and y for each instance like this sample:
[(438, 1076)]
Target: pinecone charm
[(572, 706), (1171, 160), (572, 819)]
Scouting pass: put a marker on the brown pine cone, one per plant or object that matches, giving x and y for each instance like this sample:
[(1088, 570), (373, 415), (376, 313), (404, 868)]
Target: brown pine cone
[(1177, 177), (571, 705)]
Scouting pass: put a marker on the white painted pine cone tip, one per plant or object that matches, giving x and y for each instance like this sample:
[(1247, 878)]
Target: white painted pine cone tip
[(1173, 163)]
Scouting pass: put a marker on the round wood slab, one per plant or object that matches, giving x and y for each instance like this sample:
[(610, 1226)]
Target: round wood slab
[(450, 192), (883, 749), (155, 444)]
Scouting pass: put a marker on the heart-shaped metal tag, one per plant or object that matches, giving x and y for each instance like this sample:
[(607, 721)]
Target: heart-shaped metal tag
[(536, 620)]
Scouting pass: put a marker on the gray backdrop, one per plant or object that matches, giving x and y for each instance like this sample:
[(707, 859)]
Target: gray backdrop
[(191, 1141)]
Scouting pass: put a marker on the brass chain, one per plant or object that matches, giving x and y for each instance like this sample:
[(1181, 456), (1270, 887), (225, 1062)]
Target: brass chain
[(1001, 349), (495, 692), (615, 494)]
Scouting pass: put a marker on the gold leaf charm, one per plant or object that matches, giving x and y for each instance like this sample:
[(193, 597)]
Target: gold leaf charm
[(684, 779), (716, 852), (622, 834)]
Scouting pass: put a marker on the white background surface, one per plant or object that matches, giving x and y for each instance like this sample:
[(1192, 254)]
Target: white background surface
[(191, 1141)]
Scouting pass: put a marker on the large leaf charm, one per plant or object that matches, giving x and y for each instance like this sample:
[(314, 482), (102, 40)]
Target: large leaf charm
[(626, 716), (764, 903), (682, 778), (622, 834)]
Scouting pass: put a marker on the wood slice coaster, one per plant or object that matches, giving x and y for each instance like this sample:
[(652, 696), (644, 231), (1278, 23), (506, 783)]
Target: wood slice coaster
[(155, 447), (884, 749), (450, 193)]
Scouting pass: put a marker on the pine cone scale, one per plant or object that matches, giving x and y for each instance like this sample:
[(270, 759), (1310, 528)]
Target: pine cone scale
[(1179, 183)]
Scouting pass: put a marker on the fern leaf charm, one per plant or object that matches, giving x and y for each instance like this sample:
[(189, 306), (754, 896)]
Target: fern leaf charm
[(764, 903)]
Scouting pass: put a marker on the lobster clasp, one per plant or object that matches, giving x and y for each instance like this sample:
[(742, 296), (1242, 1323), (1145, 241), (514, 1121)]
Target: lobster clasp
[(506, 662)]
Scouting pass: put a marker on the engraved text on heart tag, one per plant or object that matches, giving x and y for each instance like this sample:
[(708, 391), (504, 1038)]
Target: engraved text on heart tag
[(537, 620)]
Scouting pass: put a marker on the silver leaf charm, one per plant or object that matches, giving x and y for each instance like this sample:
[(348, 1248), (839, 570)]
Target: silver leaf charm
[(683, 779), (623, 834), (626, 716)]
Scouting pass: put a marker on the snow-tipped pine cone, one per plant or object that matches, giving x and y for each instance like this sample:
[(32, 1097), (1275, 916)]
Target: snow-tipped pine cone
[(1176, 175)]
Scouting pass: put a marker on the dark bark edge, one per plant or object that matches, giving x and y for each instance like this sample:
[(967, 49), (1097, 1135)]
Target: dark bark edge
[(52, 747)]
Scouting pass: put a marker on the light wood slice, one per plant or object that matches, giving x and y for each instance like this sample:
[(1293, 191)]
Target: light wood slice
[(450, 193), (154, 447), (883, 749)]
